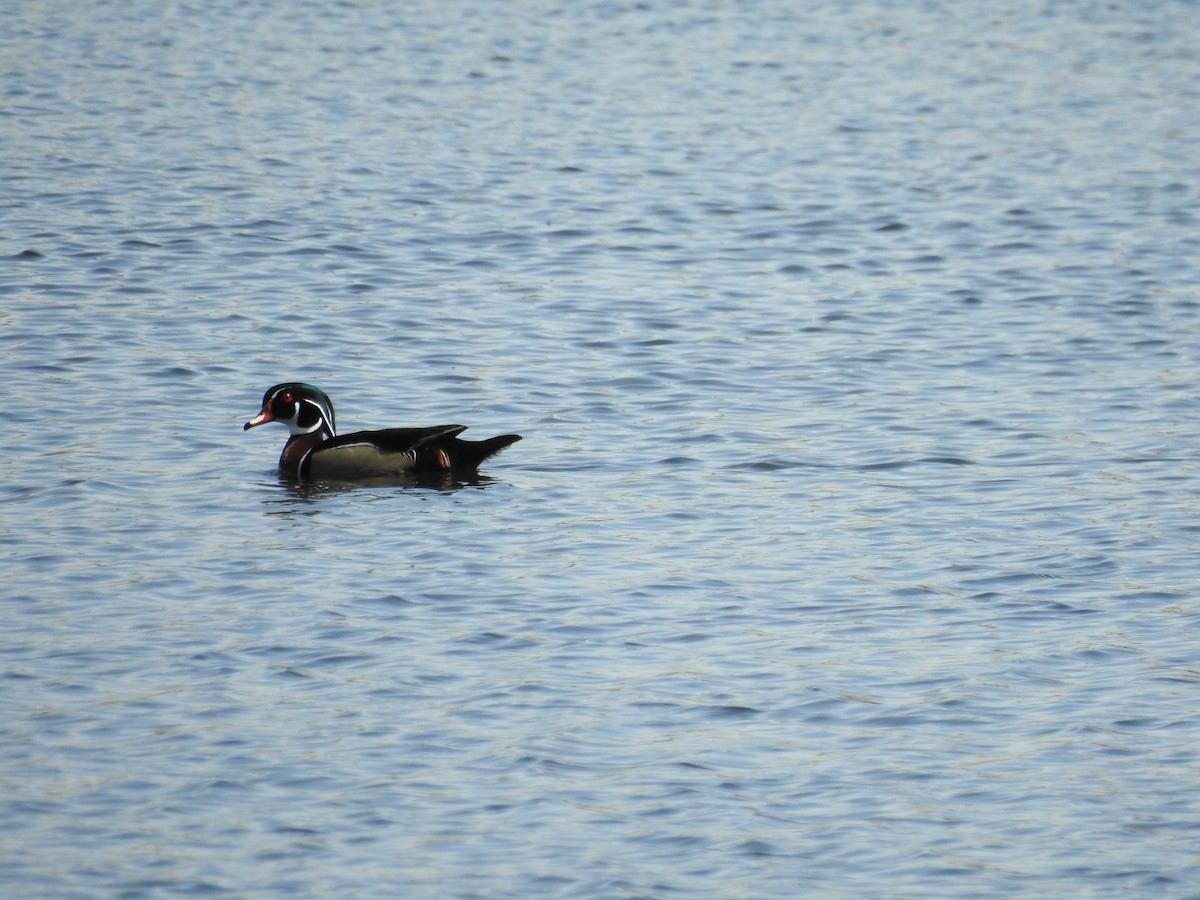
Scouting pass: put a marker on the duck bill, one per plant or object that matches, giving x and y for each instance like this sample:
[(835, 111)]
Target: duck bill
[(261, 419)]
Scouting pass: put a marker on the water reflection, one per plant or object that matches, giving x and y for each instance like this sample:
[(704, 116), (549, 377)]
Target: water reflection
[(446, 482)]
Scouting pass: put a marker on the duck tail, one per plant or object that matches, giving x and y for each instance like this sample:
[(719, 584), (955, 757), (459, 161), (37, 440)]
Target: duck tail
[(472, 453)]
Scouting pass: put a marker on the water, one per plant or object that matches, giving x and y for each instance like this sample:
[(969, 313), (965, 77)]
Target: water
[(851, 548)]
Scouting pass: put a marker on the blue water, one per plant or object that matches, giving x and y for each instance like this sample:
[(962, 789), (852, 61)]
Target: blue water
[(851, 550)]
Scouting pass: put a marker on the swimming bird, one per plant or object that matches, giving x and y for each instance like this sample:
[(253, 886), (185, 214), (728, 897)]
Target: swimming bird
[(315, 451)]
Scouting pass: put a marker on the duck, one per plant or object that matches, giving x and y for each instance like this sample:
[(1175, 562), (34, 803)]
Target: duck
[(316, 452)]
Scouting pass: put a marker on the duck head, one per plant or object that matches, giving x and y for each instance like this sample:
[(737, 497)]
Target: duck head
[(304, 409)]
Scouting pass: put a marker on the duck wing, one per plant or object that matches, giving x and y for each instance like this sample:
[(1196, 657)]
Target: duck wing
[(371, 454)]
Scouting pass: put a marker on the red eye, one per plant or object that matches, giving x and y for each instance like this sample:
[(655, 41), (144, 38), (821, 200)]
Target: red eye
[(287, 397)]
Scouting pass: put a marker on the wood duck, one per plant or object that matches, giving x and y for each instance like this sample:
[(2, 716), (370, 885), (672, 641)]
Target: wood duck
[(316, 451)]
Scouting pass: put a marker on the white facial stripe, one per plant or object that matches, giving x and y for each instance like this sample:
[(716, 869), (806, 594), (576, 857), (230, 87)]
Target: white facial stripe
[(323, 416)]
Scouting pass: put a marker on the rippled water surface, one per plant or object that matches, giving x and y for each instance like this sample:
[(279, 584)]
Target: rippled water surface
[(851, 549)]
